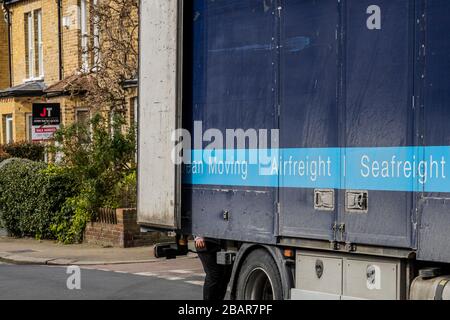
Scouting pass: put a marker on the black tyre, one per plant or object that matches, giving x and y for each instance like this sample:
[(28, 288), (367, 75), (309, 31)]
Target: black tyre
[(259, 278)]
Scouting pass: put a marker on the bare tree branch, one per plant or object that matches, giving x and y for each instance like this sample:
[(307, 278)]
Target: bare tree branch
[(113, 51)]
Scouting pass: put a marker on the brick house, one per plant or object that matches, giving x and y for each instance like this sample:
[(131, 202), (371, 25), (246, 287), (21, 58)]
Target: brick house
[(41, 45)]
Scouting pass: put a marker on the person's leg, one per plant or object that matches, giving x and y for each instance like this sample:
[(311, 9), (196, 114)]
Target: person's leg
[(212, 288), (224, 281), (218, 279)]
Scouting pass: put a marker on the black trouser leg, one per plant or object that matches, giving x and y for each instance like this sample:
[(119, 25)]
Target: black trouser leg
[(217, 277), (226, 275)]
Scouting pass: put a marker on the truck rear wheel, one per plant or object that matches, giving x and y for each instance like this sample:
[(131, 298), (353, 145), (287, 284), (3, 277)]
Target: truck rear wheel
[(259, 278)]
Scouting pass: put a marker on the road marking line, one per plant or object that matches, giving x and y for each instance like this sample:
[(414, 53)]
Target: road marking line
[(175, 278), (181, 271), (197, 283), (165, 277), (199, 274), (146, 274), (118, 271)]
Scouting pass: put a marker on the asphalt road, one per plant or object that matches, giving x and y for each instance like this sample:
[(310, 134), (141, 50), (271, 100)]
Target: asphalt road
[(25, 282)]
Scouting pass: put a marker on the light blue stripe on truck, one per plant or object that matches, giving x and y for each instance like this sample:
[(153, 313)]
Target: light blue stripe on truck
[(410, 169)]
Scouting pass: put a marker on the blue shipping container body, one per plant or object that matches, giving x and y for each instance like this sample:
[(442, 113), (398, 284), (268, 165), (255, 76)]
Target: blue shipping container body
[(359, 91)]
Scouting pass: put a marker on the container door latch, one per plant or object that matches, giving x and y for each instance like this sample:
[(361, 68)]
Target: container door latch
[(357, 201)]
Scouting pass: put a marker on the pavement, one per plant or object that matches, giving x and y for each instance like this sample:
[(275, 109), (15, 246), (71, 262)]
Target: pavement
[(31, 251)]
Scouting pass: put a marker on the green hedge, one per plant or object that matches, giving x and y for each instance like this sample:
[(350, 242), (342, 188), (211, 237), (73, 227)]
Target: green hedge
[(31, 197), (3, 154), (56, 202), (23, 150)]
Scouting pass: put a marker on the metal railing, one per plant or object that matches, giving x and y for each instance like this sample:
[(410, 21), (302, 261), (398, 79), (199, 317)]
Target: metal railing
[(106, 215)]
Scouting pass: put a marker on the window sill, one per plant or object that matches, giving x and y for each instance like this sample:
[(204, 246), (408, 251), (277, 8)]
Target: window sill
[(41, 78)]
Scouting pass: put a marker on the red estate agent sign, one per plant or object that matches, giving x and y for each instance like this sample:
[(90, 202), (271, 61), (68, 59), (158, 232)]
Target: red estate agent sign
[(46, 121)]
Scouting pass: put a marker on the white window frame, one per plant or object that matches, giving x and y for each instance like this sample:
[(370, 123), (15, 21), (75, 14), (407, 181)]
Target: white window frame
[(29, 126), (9, 129), (40, 44), (135, 101), (84, 36), (80, 110), (111, 122), (30, 37), (97, 56), (31, 46)]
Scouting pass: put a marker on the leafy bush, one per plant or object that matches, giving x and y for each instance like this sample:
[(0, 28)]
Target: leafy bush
[(23, 150), (124, 194), (70, 222), (103, 166), (31, 196), (95, 169), (3, 154), (102, 161)]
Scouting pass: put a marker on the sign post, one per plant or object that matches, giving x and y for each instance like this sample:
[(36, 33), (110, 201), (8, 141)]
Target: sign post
[(46, 121)]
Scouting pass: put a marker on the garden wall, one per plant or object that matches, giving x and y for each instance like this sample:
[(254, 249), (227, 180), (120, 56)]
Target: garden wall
[(119, 228)]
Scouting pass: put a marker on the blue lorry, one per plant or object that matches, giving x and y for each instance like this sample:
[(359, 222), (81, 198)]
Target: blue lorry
[(343, 104)]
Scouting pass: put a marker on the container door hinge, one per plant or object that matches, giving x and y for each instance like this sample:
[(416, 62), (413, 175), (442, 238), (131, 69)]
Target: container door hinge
[(334, 245), (279, 11), (341, 229), (350, 247)]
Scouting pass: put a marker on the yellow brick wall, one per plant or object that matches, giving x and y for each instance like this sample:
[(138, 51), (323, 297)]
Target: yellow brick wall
[(132, 94), (68, 108), (49, 38), (18, 108), (70, 39), (71, 59), (4, 53)]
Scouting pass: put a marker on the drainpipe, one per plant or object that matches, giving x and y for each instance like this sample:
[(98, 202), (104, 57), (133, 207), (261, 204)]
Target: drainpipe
[(8, 22), (60, 54)]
